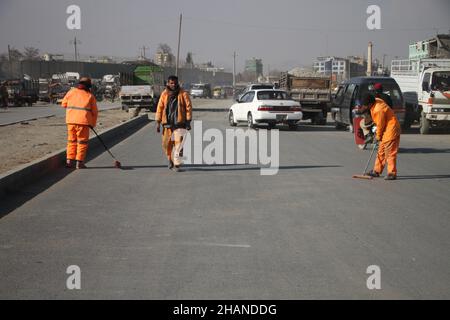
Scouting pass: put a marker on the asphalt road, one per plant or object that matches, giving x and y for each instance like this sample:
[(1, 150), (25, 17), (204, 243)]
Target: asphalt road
[(226, 232), (41, 110)]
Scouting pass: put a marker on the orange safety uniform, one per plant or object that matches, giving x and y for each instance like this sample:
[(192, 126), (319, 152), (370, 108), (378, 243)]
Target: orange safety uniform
[(172, 138), (81, 112), (184, 112), (388, 135)]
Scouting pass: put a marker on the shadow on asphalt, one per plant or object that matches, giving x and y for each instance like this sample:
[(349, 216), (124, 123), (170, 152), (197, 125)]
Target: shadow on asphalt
[(425, 177), (17, 197), (302, 127), (214, 167), (14, 199), (433, 131), (422, 150), (228, 168)]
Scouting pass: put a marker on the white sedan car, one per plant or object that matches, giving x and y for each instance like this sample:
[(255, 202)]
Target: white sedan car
[(267, 106)]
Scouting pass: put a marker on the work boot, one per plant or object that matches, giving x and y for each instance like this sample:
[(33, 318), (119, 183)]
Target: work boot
[(176, 168), (81, 165), (170, 165), (390, 177), (373, 174), (69, 164)]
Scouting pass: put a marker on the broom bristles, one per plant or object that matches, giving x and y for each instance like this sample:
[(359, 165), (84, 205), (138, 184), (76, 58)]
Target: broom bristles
[(361, 176)]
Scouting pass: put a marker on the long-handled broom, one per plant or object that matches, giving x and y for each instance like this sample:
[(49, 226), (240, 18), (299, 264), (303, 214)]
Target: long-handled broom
[(117, 163), (364, 175)]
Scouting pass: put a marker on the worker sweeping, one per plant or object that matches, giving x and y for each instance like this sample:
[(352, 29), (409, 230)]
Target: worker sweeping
[(367, 123), (174, 113), (387, 135), (81, 113)]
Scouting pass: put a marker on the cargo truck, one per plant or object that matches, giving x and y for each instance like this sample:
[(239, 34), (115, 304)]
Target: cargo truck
[(425, 87), (313, 91), (142, 89)]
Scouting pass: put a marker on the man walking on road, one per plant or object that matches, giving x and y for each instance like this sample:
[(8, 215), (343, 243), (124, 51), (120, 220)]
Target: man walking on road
[(4, 95), (388, 135), (174, 113), (81, 113)]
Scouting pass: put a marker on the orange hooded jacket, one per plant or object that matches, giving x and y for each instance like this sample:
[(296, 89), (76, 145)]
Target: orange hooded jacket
[(184, 112), (81, 107), (388, 127)]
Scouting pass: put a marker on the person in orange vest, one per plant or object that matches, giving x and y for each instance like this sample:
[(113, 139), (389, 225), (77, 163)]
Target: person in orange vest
[(174, 113), (81, 113), (387, 135)]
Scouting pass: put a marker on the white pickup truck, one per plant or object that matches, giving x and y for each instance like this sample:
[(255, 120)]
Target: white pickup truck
[(425, 84)]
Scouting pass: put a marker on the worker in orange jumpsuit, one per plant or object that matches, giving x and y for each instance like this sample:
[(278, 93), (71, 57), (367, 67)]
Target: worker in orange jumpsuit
[(387, 135), (174, 113), (81, 113)]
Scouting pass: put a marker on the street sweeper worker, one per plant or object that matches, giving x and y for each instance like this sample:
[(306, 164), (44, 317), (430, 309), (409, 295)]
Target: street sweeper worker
[(174, 114), (387, 135), (367, 122), (81, 113)]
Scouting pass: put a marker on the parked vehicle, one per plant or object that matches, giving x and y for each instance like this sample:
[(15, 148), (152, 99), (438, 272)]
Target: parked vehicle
[(137, 98), (313, 91), (111, 87), (267, 106), (143, 89), (22, 91), (201, 90), (43, 90), (426, 88), (217, 93), (57, 91), (351, 92)]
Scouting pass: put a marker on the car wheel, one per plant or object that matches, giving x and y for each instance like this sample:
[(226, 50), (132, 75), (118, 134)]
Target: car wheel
[(250, 123), (338, 125), (292, 126), (231, 119)]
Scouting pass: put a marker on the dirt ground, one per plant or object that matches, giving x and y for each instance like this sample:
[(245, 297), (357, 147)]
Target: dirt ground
[(23, 143)]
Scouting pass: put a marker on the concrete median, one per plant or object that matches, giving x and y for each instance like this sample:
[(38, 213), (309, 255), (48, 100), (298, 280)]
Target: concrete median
[(15, 179)]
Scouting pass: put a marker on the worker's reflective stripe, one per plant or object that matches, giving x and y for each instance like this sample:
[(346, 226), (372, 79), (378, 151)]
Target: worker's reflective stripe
[(72, 141), (80, 108), (83, 142)]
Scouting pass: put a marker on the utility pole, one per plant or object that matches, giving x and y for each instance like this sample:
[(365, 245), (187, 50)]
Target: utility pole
[(75, 42), (234, 73), (9, 59), (143, 51), (178, 50)]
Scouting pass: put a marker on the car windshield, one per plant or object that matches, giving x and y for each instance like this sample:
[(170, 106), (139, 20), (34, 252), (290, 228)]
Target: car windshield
[(198, 87), (441, 81), (389, 88), (272, 95)]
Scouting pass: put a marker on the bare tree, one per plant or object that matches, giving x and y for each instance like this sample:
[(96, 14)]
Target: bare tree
[(31, 53), (15, 54)]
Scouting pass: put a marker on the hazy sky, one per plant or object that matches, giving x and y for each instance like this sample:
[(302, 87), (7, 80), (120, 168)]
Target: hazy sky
[(284, 33)]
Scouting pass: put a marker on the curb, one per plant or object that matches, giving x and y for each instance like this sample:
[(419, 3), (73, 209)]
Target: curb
[(19, 177)]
